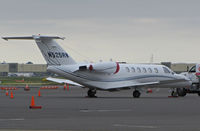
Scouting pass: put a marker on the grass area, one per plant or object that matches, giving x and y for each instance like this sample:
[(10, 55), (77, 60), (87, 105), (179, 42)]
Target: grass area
[(25, 80)]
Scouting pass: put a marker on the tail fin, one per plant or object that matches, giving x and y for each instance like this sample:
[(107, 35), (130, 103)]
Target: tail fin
[(51, 51)]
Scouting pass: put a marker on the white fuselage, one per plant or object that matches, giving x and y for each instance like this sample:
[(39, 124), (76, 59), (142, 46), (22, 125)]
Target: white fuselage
[(127, 75)]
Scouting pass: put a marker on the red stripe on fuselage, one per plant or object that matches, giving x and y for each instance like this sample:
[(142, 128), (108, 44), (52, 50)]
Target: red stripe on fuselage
[(90, 67), (118, 67)]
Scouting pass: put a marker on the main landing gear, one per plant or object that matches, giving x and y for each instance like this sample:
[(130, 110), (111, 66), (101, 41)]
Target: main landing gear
[(91, 93), (136, 94)]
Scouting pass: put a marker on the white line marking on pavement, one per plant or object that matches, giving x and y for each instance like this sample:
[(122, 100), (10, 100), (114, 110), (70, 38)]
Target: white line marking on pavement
[(135, 126), (13, 119), (122, 110)]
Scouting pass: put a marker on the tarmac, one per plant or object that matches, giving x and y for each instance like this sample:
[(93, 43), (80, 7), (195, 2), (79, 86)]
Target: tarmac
[(110, 111)]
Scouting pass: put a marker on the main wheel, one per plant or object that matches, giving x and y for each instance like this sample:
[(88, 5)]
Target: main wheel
[(136, 94), (91, 93), (181, 92)]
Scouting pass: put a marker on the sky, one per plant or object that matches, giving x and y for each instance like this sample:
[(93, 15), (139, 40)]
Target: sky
[(122, 30)]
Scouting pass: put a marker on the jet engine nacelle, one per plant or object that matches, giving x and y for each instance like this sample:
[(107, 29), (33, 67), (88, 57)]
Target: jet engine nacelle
[(105, 67)]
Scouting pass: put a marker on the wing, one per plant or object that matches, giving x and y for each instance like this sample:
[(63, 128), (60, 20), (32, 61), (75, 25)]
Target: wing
[(133, 85), (129, 85), (63, 81)]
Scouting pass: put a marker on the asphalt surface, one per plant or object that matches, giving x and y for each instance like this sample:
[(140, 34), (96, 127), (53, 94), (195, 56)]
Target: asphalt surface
[(110, 111)]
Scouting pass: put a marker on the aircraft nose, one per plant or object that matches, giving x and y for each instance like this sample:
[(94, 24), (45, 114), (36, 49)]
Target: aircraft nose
[(190, 82), (180, 76)]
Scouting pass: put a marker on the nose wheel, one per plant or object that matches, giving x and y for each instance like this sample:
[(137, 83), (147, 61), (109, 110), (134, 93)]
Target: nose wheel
[(136, 94), (91, 93), (174, 94)]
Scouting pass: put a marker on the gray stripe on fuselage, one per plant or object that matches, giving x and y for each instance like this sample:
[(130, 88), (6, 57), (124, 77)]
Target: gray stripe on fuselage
[(116, 79)]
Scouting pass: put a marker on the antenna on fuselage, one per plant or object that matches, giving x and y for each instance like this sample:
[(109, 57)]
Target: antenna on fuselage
[(152, 58)]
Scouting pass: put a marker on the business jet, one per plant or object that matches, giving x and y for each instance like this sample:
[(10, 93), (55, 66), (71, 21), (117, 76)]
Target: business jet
[(107, 76)]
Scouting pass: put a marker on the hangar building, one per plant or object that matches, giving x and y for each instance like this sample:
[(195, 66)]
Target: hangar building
[(41, 69)]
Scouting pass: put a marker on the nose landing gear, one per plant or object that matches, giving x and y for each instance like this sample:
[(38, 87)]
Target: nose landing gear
[(174, 94)]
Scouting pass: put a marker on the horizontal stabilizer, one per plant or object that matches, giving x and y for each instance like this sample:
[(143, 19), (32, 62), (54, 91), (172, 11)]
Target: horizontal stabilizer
[(33, 37)]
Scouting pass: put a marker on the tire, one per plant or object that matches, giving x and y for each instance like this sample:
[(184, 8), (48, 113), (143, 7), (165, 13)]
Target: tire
[(136, 94), (91, 93)]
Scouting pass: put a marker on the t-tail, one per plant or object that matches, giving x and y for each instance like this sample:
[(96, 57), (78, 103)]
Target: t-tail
[(51, 51)]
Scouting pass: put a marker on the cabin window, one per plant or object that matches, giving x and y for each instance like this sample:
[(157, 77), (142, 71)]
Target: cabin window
[(138, 70), (127, 69), (144, 70), (156, 70), (166, 70), (149, 70), (133, 69)]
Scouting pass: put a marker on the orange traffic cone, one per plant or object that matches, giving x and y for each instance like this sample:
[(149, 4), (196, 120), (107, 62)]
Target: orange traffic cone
[(7, 93), (39, 94), (11, 95), (68, 87), (33, 106), (32, 101)]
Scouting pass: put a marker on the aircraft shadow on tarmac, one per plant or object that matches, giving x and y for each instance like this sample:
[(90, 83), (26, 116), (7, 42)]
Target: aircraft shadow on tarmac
[(103, 97)]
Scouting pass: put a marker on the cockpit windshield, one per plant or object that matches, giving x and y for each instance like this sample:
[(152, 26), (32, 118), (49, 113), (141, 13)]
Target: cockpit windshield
[(193, 69), (166, 70)]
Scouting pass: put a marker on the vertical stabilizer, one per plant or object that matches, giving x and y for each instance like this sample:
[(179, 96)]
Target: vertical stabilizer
[(53, 53)]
